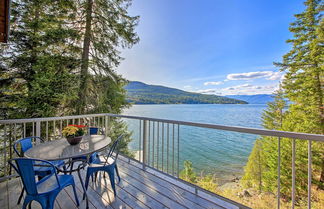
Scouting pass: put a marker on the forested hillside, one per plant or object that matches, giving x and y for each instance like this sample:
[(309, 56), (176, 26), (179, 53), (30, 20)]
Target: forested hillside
[(141, 93)]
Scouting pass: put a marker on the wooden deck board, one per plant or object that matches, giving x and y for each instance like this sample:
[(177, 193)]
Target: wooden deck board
[(171, 188), (14, 189), (175, 193), (162, 198), (137, 189), (4, 195), (104, 183)]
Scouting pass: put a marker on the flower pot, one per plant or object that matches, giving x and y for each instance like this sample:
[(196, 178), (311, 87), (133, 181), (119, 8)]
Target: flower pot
[(74, 140)]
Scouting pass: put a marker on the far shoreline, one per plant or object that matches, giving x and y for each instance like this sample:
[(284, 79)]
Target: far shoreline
[(190, 104)]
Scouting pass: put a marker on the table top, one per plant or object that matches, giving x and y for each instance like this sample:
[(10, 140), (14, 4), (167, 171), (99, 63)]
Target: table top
[(60, 149)]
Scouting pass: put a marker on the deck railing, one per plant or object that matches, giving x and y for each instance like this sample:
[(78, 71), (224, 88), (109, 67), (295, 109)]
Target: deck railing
[(158, 141)]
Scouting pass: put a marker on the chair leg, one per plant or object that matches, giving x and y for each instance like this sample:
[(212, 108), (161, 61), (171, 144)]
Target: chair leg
[(21, 195), (112, 181), (86, 183), (27, 202), (117, 173), (71, 168), (75, 195), (96, 175)]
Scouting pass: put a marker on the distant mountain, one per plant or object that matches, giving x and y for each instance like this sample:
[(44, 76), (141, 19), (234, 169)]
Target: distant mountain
[(254, 99), (141, 93)]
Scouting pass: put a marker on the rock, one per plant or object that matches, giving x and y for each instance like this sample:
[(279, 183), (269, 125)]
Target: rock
[(246, 193), (235, 179)]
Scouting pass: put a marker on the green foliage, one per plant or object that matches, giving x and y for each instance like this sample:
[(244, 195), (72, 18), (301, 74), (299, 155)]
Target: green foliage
[(188, 173), (117, 128), (303, 86), (38, 59), (254, 170), (207, 182), (105, 27), (109, 96), (59, 61), (303, 64)]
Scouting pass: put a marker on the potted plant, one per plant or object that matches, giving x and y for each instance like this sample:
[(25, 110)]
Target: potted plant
[(73, 133)]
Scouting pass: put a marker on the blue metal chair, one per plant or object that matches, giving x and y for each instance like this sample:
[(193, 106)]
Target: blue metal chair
[(45, 190), (108, 165), (21, 146)]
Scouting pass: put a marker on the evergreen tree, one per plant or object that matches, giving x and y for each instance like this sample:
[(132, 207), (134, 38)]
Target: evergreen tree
[(254, 170), (260, 171), (304, 79), (303, 86), (105, 27), (39, 60)]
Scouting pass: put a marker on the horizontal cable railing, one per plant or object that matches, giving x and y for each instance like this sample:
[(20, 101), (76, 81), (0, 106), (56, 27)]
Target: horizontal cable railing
[(159, 140)]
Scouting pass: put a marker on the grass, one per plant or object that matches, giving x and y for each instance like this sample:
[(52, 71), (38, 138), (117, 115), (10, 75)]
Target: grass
[(269, 200)]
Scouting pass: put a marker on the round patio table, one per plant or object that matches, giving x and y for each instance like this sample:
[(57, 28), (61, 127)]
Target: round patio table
[(61, 150)]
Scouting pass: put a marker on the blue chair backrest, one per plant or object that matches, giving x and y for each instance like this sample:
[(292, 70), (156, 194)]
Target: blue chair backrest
[(113, 148), (25, 169), (25, 144), (93, 130)]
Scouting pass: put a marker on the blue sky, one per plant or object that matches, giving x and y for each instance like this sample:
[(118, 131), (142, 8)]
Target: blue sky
[(211, 46)]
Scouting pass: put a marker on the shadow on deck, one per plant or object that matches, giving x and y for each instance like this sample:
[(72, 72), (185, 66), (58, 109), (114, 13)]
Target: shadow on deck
[(138, 188)]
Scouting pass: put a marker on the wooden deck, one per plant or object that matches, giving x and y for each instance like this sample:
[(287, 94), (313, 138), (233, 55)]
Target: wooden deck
[(137, 189)]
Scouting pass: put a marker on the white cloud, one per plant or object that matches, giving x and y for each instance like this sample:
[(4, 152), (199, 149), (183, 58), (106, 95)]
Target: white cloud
[(187, 87), (207, 91), (249, 89), (249, 75), (244, 89), (275, 76), (214, 83)]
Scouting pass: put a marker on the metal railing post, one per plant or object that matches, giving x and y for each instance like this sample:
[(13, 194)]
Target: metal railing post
[(38, 129), (309, 197), (178, 151), (279, 167), (106, 125), (293, 173), (145, 135)]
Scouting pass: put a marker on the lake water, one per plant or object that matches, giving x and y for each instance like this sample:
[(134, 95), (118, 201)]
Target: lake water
[(221, 153)]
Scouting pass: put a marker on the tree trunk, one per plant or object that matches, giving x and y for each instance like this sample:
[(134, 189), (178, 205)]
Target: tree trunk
[(84, 77)]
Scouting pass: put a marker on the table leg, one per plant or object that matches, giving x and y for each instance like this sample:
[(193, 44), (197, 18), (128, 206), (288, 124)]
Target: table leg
[(81, 166)]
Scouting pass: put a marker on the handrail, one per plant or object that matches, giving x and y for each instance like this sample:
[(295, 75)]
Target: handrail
[(150, 138), (28, 120), (257, 131)]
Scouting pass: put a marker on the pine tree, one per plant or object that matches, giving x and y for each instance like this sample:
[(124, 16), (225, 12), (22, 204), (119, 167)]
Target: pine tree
[(260, 171), (39, 58), (303, 86), (254, 169), (105, 27), (304, 79)]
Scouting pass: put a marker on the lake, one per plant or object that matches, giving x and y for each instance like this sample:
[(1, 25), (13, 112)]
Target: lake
[(221, 153)]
